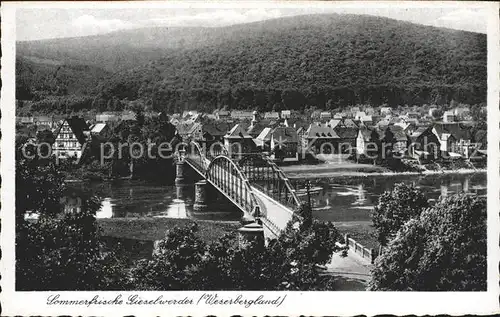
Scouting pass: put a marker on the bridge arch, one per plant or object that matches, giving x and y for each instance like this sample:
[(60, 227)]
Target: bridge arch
[(265, 175), (224, 173)]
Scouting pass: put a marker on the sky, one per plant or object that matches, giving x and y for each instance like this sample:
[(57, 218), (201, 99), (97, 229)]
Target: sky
[(43, 22)]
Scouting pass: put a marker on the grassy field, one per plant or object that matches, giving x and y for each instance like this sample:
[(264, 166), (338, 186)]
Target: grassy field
[(151, 229)]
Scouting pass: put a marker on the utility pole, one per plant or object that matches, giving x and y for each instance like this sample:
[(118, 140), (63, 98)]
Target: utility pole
[(308, 187)]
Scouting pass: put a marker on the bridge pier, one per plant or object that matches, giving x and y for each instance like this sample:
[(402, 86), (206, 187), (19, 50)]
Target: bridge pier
[(200, 196), (181, 181), (251, 232)]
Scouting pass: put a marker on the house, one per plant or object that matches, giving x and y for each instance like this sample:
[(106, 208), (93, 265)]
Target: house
[(449, 116), (367, 142), (44, 121), (284, 144), (128, 115), (462, 112), (412, 115), (455, 138), (189, 113), (25, 120), (238, 142), (70, 138), (286, 114), (315, 115), (349, 123), (257, 124), (101, 130), (407, 127), (222, 114), (370, 111), (208, 132), (385, 110), (241, 115), (394, 139), (263, 140), (347, 137), (424, 144), (359, 115), (334, 123), (367, 120), (183, 130), (325, 115), (273, 115), (321, 139), (107, 117)]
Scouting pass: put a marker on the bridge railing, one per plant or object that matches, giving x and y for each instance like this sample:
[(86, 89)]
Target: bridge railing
[(224, 173), (270, 179)]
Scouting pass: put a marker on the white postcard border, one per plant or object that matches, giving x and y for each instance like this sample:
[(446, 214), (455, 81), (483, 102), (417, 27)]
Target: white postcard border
[(296, 303)]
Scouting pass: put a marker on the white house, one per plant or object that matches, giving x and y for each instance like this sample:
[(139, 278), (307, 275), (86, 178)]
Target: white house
[(70, 138)]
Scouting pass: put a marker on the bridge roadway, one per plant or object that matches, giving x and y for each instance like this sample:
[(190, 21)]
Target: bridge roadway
[(274, 215)]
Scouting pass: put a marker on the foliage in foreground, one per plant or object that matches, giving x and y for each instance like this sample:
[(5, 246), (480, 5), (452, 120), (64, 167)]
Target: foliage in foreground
[(183, 261), (61, 251), (394, 208), (444, 248)]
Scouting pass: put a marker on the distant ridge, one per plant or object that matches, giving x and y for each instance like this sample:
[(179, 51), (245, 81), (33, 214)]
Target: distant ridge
[(291, 61)]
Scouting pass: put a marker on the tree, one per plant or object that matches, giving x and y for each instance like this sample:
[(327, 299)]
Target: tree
[(183, 261), (396, 207), (443, 249), (61, 250), (437, 114)]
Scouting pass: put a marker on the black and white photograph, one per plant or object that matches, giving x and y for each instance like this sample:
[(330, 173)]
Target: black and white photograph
[(302, 151)]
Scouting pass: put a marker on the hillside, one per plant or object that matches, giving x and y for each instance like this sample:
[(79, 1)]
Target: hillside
[(317, 60)]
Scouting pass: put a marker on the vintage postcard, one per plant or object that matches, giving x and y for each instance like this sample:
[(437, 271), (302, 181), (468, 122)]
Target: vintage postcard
[(250, 158)]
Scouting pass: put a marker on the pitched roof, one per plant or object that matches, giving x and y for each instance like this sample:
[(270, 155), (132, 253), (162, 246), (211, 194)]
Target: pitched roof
[(237, 132), (215, 129), (98, 127), (334, 122), (457, 129), (350, 123), (346, 132), (257, 127), (265, 135), (285, 134), (397, 131), (77, 126), (316, 131)]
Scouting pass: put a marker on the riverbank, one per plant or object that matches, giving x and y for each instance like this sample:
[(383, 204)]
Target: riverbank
[(152, 229), (358, 170)]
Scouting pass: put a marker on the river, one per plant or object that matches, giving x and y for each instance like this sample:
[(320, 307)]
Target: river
[(333, 199)]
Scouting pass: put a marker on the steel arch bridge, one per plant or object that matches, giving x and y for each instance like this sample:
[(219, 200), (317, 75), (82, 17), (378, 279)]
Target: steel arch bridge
[(255, 184)]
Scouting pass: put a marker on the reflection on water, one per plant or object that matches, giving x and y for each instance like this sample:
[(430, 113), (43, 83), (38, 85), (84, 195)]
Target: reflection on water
[(334, 199), (134, 199), (343, 199)]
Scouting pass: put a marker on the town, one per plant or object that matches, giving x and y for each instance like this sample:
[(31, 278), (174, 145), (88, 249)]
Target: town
[(451, 135)]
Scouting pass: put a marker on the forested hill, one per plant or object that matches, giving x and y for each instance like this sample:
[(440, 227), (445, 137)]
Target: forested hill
[(316, 60)]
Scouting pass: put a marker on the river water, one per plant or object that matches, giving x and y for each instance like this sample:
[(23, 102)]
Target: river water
[(337, 199)]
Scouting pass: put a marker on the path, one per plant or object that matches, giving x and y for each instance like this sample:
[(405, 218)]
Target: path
[(352, 265)]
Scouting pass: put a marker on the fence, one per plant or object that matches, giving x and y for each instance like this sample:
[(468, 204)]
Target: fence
[(366, 253)]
